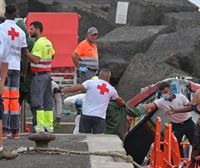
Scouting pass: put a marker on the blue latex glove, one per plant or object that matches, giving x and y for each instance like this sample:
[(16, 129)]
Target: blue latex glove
[(83, 69), (78, 103)]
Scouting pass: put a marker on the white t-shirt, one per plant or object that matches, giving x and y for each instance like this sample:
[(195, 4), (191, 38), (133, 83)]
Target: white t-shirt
[(17, 40), (177, 103), (98, 95), (4, 49)]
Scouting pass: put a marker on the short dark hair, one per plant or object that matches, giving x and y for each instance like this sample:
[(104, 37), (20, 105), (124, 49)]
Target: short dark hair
[(11, 9), (37, 25), (164, 85)]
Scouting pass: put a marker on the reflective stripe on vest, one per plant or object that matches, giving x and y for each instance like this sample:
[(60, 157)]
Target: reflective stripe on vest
[(91, 62), (43, 66)]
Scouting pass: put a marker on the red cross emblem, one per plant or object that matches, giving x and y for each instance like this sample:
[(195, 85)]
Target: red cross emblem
[(13, 33), (103, 88)]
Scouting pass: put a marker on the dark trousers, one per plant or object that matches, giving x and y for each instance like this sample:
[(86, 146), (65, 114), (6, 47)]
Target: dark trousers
[(91, 124), (185, 128)]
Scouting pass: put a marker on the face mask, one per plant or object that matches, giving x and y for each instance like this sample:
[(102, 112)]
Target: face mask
[(166, 96)]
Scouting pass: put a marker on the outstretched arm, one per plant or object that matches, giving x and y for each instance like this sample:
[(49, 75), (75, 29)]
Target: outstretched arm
[(119, 101), (72, 89), (150, 107)]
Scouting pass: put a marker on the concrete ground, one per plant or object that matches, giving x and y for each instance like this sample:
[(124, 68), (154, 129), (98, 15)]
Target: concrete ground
[(92, 143)]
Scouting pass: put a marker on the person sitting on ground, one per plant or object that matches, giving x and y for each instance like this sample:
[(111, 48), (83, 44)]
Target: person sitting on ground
[(98, 94)]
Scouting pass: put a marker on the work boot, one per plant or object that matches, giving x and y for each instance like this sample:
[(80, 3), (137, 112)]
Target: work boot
[(56, 123), (39, 129), (4, 154), (49, 128)]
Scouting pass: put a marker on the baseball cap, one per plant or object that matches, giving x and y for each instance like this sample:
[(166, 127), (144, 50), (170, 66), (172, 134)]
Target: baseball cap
[(92, 30)]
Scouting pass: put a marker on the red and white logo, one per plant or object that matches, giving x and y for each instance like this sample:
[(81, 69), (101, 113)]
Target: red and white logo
[(13, 33), (103, 89)]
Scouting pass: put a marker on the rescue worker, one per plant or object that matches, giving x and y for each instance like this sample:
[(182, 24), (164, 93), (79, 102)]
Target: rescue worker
[(98, 94), (41, 87), (77, 102), (182, 123), (4, 60), (57, 105), (85, 56), (17, 39)]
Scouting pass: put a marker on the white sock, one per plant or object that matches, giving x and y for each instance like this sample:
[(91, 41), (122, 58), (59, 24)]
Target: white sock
[(1, 148)]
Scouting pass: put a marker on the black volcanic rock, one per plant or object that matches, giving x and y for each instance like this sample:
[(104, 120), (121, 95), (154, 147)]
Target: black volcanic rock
[(150, 12), (117, 48), (170, 55), (183, 20)]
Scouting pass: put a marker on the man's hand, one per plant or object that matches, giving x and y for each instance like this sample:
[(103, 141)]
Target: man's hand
[(56, 90), (83, 69), (120, 101), (149, 108), (171, 112)]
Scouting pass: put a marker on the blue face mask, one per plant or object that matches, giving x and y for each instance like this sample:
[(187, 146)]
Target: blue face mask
[(166, 96)]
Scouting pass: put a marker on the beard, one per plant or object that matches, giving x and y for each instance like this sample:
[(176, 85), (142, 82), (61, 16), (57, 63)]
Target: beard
[(34, 35)]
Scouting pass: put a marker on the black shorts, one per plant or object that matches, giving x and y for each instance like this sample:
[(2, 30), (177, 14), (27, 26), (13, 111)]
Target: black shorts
[(1, 108)]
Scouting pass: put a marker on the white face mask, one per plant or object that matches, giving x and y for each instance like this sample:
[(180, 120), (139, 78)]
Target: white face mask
[(166, 96)]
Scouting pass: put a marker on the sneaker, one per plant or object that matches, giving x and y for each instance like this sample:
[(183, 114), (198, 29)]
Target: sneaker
[(56, 123), (5, 136), (16, 135), (4, 154)]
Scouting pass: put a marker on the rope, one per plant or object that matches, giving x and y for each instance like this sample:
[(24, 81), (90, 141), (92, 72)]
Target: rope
[(128, 158)]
